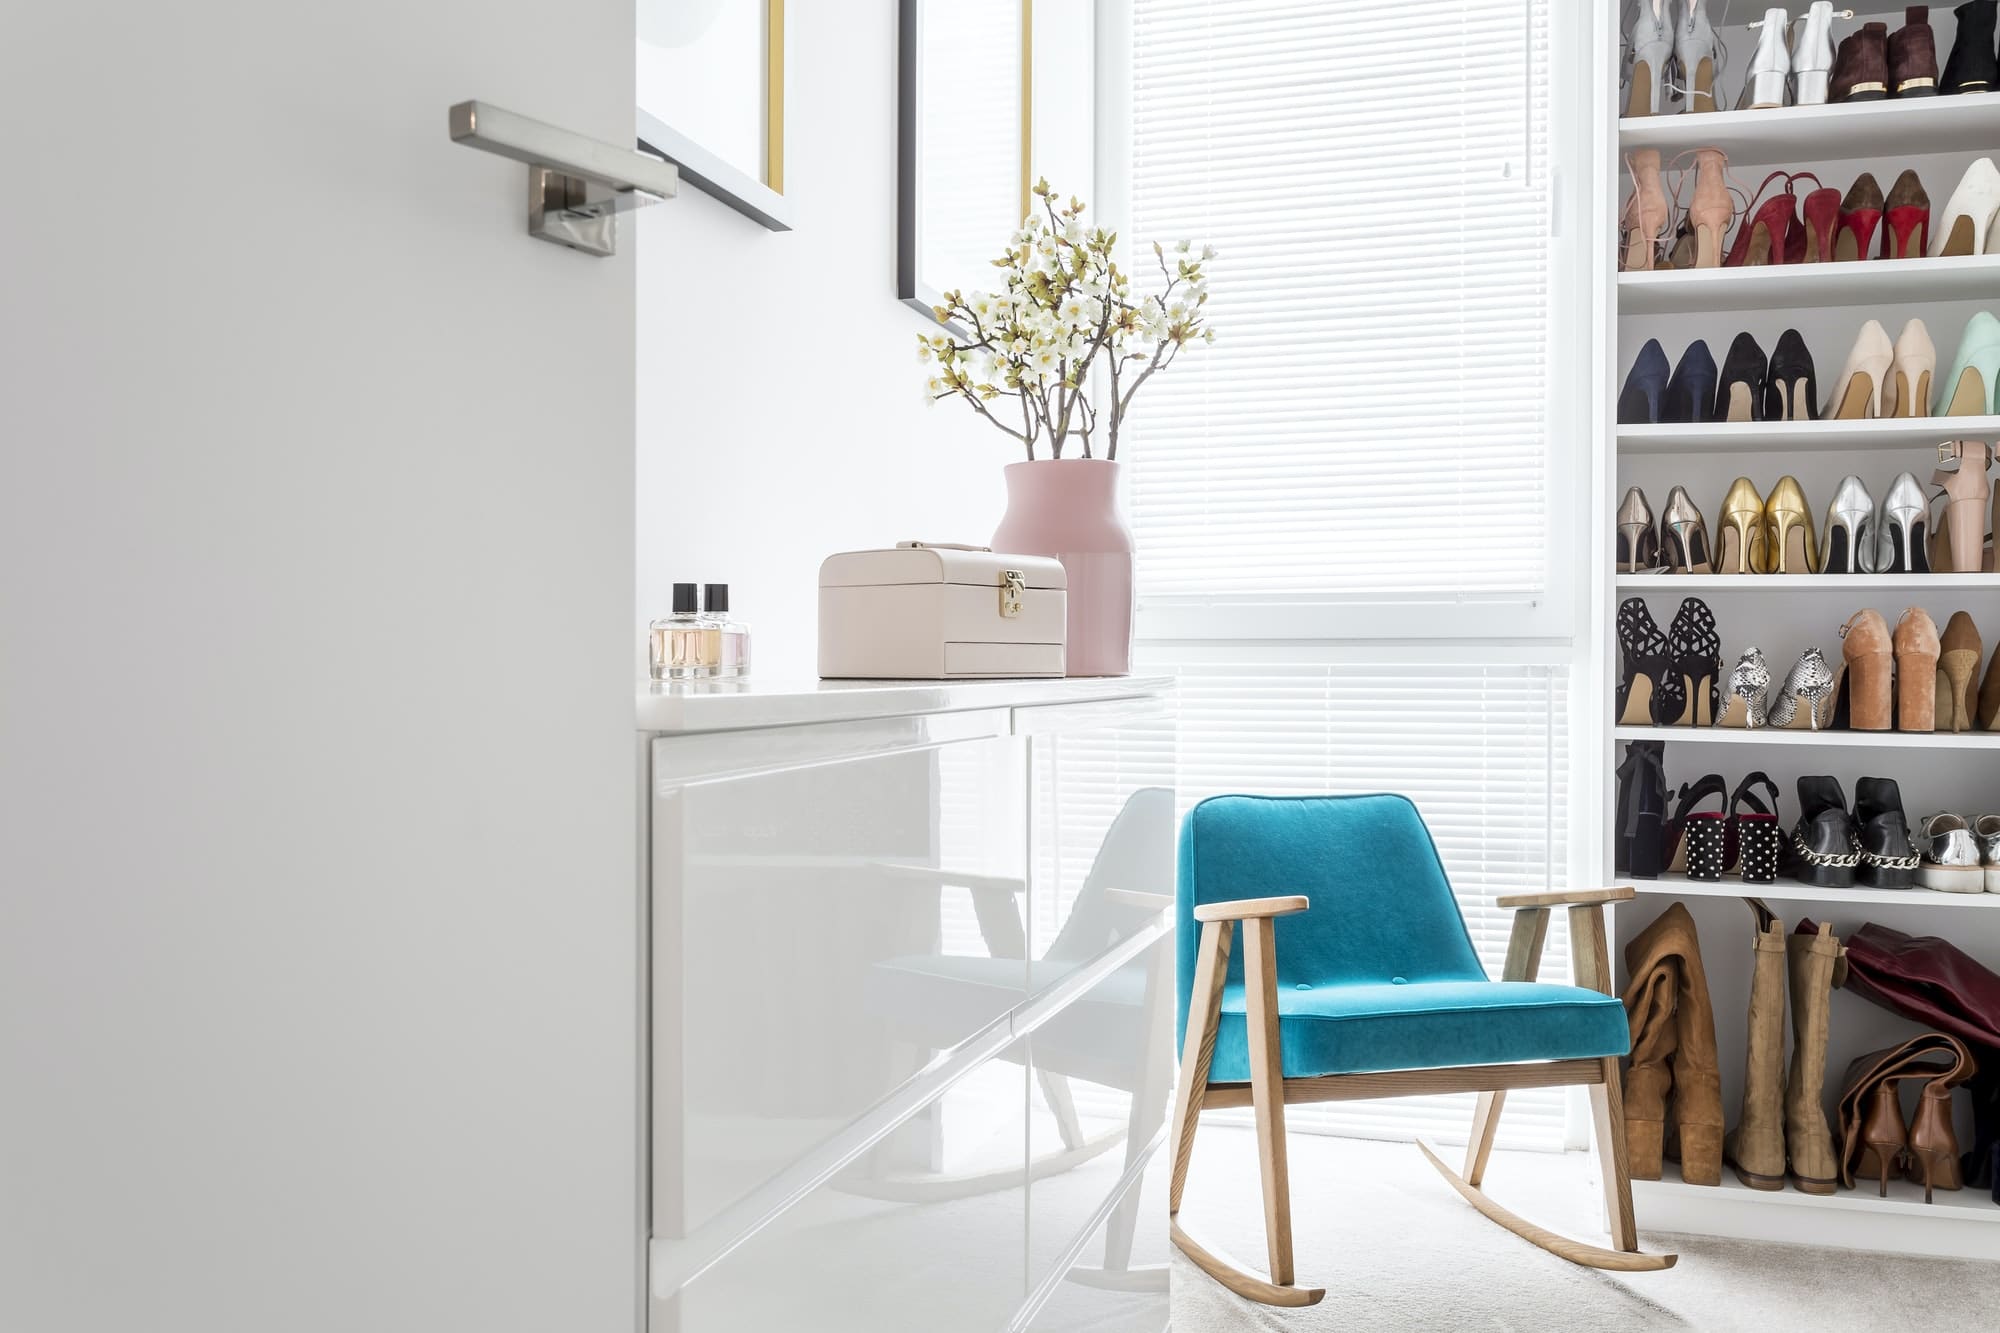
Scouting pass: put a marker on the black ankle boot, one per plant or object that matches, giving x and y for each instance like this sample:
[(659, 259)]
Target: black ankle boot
[(1824, 850), (1888, 857), (1973, 66)]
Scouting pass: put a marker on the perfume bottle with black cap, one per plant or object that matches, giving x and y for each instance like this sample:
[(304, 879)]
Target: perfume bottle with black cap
[(699, 643)]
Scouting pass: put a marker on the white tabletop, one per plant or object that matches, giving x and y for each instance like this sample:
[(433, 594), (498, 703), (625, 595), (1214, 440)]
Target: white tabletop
[(726, 705)]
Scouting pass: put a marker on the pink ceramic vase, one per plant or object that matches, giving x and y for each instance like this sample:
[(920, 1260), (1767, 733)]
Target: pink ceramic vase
[(1068, 508)]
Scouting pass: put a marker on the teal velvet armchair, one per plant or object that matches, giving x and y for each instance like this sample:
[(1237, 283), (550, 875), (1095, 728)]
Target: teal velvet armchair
[(1357, 979)]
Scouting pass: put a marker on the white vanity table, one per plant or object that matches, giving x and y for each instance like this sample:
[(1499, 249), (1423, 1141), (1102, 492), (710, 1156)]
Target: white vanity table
[(911, 1004)]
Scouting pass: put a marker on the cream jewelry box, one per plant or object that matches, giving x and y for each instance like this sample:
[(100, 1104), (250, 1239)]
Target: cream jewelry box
[(934, 612)]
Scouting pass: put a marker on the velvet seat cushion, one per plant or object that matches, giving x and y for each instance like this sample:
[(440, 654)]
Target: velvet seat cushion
[(1355, 1029), (1379, 972)]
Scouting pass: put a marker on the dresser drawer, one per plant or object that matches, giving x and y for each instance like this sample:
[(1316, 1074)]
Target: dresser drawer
[(908, 1253), (823, 929)]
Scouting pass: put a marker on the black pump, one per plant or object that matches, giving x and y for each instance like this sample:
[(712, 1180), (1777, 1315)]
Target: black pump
[(1740, 395), (1791, 389), (1691, 392)]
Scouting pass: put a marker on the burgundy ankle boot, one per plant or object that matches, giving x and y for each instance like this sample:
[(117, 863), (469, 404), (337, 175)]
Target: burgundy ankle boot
[(1861, 65), (1913, 67)]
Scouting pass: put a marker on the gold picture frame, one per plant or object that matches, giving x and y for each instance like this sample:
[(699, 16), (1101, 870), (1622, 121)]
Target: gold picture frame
[(759, 196)]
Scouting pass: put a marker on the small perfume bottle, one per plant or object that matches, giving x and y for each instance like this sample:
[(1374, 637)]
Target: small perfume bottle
[(732, 643), (693, 645)]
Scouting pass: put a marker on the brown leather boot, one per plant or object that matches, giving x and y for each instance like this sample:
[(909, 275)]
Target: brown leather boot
[(1649, 1012), (1695, 1136), (1756, 1147), (1861, 65), (1816, 964), (1913, 66)]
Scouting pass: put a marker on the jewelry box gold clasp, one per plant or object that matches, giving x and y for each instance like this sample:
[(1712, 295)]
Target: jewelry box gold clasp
[(1012, 587)]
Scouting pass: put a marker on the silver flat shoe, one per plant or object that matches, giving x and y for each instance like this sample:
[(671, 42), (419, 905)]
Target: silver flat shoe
[(1951, 861), (1903, 529), (1750, 681), (1684, 546), (1638, 544), (1808, 684), (1986, 832), (1847, 542)]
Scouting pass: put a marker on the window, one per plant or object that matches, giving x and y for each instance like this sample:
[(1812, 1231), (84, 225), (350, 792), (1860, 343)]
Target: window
[(1375, 447)]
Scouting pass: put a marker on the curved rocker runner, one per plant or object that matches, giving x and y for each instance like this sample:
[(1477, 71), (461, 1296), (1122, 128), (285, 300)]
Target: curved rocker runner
[(1354, 1024)]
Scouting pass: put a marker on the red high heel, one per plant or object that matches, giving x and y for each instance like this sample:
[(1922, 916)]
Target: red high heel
[(1766, 228), (1822, 211), (1908, 213), (1860, 215)]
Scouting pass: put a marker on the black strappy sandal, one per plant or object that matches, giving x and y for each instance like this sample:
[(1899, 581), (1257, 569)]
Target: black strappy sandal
[(1700, 837), (1755, 841), (1697, 662), (1643, 656)]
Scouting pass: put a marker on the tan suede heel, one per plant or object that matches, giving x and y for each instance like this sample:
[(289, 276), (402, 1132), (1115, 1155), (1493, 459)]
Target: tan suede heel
[(1869, 654), (1916, 641), (1959, 652)]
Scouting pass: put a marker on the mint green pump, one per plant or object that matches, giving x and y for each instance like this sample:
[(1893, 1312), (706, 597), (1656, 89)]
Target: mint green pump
[(1970, 388)]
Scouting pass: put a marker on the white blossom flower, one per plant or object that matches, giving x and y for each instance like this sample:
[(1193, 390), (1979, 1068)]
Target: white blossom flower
[(984, 305), (1182, 247), (1045, 361)]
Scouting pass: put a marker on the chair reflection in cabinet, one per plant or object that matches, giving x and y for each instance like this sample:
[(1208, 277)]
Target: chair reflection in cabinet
[(1117, 1035)]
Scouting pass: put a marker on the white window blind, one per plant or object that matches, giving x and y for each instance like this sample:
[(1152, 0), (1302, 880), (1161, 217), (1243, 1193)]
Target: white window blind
[(1371, 422)]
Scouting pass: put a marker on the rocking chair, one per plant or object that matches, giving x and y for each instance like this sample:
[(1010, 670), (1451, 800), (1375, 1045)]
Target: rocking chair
[(1384, 997)]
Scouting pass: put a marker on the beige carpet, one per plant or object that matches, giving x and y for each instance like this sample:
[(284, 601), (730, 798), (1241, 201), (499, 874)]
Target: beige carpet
[(1397, 1249)]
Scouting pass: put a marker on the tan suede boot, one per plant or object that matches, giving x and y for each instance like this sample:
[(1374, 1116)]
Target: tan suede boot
[(1696, 1133), (1756, 1147), (1817, 964), (1649, 1011)]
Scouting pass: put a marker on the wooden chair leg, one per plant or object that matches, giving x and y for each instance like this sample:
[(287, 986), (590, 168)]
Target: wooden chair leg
[(1524, 963), (1211, 968), (1267, 1090), (1607, 1111)]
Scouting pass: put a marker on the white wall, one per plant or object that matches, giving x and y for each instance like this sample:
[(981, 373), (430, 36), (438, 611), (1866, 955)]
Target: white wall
[(781, 415), (317, 983)]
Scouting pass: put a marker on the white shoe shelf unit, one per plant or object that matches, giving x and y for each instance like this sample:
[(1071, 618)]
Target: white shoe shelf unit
[(1827, 303)]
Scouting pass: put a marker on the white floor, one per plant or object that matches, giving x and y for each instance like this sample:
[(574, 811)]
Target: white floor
[(1397, 1249)]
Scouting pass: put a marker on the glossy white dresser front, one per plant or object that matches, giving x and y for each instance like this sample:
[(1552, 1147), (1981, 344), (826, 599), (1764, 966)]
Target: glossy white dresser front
[(911, 976)]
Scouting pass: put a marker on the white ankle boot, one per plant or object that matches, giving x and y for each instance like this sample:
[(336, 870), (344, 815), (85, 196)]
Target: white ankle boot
[(1771, 67), (1812, 56)]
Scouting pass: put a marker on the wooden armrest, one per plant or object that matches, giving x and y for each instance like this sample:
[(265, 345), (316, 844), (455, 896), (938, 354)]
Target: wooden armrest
[(1576, 898), (1244, 908), (1151, 902)]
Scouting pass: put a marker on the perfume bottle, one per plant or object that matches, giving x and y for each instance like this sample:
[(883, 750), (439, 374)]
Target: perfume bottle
[(732, 642), (694, 645)]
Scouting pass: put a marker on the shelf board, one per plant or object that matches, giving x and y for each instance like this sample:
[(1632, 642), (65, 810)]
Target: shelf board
[(1793, 583), (1732, 437), (1797, 286), (1790, 891), (1858, 740), (1965, 1205), (1780, 136)]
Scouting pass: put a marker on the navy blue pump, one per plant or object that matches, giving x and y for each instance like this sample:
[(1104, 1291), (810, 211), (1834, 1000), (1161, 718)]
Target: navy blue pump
[(1645, 387), (1691, 392)]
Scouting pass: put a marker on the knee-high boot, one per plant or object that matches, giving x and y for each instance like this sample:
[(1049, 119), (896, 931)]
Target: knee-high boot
[(1649, 1011), (1696, 1124), (1756, 1147), (1817, 964)]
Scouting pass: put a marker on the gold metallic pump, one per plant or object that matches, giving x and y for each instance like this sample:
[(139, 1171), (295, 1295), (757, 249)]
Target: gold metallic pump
[(1788, 517), (1744, 546)]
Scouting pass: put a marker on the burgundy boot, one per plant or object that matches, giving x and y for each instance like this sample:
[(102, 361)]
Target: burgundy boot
[(1913, 66), (1861, 65)]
